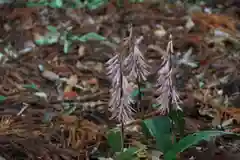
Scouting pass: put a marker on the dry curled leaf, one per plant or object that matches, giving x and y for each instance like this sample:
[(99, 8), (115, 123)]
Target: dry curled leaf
[(209, 21), (50, 75)]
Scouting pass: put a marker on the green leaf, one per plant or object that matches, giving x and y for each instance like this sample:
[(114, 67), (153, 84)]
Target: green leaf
[(52, 29), (48, 116), (67, 45), (159, 127), (177, 117), (114, 139), (155, 106), (94, 4), (191, 140), (49, 38), (70, 110), (89, 36), (135, 92), (128, 154), (2, 98), (56, 4), (37, 4), (136, 1), (31, 86), (5, 1)]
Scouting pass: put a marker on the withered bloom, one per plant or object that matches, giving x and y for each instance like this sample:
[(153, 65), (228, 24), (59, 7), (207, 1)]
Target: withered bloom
[(136, 65), (165, 87), (120, 102)]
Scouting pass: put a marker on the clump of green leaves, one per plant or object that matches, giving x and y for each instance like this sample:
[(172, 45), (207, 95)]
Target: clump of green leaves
[(165, 129), (66, 38), (90, 4)]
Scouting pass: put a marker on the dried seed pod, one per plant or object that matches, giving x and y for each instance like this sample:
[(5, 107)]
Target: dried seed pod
[(165, 87), (136, 65), (120, 96)]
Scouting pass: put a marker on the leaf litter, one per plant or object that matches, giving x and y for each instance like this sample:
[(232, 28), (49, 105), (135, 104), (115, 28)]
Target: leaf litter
[(54, 91)]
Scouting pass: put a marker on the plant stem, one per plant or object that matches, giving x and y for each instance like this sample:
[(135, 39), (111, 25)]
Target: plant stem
[(122, 135), (139, 99)]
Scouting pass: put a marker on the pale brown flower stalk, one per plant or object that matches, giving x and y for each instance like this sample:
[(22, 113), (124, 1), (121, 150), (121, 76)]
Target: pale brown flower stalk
[(136, 65), (165, 87), (120, 102), (137, 70)]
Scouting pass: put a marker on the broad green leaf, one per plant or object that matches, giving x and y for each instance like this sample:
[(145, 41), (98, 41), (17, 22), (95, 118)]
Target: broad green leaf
[(89, 36), (159, 127), (164, 142), (128, 154), (177, 117), (114, 139), (191, 140), (2, 98), (156, 125)]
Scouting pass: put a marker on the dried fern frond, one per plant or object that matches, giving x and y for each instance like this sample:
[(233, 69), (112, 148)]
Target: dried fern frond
[(136, 66), (165, 87), (120, 102)]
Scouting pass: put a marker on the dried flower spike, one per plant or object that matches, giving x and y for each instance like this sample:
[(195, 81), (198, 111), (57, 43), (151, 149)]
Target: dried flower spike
[(136, 65), (120, 102), (165, 87)]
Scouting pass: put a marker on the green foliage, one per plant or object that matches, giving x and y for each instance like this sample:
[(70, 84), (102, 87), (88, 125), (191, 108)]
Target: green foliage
[(66, 38), (160, 128), (128, 154), (2, 98), (31, 86), (114, 139), (177, 117), (191, 140)]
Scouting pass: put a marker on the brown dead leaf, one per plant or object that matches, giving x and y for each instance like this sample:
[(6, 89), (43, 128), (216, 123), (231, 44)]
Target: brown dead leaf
[(72, 81), (209, 21), (68, 119), (22, 13)]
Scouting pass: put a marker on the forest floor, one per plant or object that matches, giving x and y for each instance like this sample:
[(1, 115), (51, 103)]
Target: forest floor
[(54, 91)]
